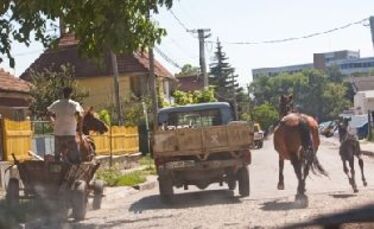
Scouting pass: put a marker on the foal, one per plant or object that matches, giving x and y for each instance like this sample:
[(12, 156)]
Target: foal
[(350, 147)]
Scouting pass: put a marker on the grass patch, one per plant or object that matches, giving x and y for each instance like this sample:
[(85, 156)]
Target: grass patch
[(109, 176), (146, 160), (131, 179), (114, 177)]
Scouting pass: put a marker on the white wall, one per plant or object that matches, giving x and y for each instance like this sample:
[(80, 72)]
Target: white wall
[(362, 103)]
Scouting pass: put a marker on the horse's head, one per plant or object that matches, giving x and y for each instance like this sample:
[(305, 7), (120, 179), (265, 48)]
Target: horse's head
[(92, 123), (343, 124), (285, 104)]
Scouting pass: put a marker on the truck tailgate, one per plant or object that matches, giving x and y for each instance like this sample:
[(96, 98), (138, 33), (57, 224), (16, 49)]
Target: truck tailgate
[(192, 141)]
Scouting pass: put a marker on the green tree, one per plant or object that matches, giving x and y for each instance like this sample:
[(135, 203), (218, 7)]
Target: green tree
[(47, 88), (313, 92), (188, 70), (265, 114), (334, 99), (121, 26), (224, 79), (221, 72), (198, 96)]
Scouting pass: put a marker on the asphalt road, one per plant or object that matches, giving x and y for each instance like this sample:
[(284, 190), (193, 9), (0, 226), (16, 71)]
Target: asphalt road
[(266, 207)]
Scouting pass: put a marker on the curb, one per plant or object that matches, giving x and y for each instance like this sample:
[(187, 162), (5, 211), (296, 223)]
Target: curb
[(113, 193), (149, 184)]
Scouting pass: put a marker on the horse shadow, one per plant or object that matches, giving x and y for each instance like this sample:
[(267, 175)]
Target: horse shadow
[(186, 200), (275, 205), (342, 196), (362, 215)]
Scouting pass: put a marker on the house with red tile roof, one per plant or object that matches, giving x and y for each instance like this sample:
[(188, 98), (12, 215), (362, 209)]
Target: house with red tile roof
[(190, 83), (14, 96), (97, 79)]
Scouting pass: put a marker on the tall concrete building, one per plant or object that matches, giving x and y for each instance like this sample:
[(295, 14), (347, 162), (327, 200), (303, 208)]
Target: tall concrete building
[(348, 62)]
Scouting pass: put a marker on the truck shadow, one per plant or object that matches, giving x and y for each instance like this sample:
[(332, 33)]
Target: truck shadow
[(185, 200)]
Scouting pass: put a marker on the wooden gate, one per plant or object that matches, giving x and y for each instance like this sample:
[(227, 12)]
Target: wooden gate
[(17, 137)]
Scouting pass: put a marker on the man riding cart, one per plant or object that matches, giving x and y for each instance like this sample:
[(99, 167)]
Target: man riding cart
[(64, 114), (66, 179)]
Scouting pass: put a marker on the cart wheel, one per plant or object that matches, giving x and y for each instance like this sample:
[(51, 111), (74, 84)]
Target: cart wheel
[(243, 178), (79, 199), (98, 188), (64, 197), (12, 194), (166, 188)]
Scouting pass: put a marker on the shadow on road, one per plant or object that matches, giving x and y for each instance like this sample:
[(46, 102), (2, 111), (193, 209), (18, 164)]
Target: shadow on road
[(343, 196), (185, 200), (280, 206), (114, 223), (363, 215)]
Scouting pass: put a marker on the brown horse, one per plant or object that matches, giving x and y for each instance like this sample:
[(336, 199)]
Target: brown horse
[(296, 139), (86, 144), (349, 148)]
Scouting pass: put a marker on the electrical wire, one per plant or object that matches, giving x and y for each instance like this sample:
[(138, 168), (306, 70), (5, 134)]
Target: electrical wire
[(167, 58), (178, 20), (294, 38)]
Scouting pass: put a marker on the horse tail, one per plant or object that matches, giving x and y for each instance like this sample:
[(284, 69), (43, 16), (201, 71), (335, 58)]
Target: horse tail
[(310, 156)]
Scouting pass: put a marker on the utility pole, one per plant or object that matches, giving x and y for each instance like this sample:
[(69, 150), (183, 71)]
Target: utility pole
[(371, 20), (116, 86), (201, 37), (234, 100), (153, 83)]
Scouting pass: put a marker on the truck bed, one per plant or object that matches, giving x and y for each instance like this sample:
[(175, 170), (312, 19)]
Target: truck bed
[(198, 141)]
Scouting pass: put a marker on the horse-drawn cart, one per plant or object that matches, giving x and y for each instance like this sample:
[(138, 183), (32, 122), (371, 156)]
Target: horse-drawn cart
[(61, 185)]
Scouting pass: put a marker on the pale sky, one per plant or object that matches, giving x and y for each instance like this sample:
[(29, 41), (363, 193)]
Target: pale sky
[(250, 21)]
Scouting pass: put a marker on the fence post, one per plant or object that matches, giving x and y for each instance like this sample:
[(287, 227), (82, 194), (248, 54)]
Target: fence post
[(110, 147)]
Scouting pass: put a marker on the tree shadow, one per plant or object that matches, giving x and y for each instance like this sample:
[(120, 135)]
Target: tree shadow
[(186, 200), (281, 206), (362, 215)]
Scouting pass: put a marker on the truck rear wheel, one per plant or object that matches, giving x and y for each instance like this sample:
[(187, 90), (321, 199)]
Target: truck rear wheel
[(231, 182), (166, 188), (243, 179)]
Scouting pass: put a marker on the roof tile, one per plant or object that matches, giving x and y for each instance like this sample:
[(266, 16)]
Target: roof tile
[(10, 83)]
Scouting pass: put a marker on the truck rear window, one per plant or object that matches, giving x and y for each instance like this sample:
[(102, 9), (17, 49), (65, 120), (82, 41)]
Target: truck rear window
[(195, 118)]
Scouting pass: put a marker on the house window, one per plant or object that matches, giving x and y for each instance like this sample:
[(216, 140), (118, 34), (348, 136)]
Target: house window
[(135, 85)]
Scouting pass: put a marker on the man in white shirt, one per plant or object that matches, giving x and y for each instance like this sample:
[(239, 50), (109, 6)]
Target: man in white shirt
[(65, 113)]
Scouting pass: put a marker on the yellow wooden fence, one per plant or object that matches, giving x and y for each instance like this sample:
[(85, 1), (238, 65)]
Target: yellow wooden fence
[(16, 138), (118, 140)]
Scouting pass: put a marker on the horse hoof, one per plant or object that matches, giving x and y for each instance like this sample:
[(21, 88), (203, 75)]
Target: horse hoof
[(355, 190), (301, 200), (280, 186), (365, 183)]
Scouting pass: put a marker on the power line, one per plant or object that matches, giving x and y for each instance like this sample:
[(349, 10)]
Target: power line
[(294, 38), (167, 59), (180, 23), (178, 20)]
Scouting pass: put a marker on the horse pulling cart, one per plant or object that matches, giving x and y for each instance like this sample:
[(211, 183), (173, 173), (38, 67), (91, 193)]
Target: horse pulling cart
[(58, 184)]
